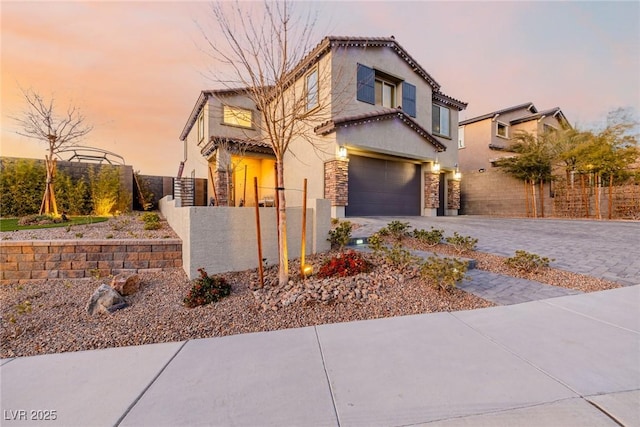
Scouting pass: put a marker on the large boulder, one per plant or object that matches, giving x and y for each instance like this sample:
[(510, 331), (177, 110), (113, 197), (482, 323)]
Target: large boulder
[(126, 284), (105, 300)]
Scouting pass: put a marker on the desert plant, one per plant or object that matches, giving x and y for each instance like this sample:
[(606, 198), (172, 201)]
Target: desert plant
[(461, 243), (340, 235), (398, 230), (206, 289), (443, 273), (151, 221), (527, 262), (344, 264), (430, 238)]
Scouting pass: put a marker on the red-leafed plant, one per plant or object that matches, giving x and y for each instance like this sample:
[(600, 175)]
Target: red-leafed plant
[(206, 289), (344, 264)]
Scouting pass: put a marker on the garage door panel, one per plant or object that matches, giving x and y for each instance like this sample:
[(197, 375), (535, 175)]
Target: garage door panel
[(383, 187)]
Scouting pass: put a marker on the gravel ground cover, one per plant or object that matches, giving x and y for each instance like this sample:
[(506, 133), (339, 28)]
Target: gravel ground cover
[(50, 317)]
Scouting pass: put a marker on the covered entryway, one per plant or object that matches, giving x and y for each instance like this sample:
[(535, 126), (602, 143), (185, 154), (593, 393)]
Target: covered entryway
[(381, 187)]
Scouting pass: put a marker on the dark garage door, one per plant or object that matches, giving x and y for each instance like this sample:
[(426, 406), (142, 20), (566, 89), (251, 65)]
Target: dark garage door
[(383, 187)]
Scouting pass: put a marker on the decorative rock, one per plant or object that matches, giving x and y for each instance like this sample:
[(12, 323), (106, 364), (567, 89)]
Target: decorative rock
[(105, 300), (126, 284)]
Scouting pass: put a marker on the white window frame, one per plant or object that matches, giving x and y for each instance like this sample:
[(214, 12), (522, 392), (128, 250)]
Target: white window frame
[(201, 128), (461, 137), (440, 132), (506, 130), (384, 84), (312, 92), (234, 118)]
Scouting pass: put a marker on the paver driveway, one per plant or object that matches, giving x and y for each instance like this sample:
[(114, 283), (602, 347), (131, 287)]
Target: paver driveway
[(605, 249)]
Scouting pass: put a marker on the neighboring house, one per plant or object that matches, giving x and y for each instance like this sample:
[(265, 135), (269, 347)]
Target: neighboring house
[(482, 140), (387, 148)]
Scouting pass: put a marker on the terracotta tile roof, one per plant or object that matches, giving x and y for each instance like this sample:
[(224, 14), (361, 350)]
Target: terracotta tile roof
[(236, 145), (376, 116)]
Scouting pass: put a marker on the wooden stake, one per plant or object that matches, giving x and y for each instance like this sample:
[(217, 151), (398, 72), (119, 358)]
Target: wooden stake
[(260, 269), (303, 243), (244, 187)]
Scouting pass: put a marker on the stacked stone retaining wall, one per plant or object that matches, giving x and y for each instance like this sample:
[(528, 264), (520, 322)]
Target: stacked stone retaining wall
[(72, 259)]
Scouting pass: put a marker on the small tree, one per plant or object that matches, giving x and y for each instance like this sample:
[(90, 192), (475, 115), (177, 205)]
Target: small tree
[(262, 51), (532, 164), (41, 121)]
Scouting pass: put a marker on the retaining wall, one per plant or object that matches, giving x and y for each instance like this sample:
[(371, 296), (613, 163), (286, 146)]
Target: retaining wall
[(72, 259), (221, 238)]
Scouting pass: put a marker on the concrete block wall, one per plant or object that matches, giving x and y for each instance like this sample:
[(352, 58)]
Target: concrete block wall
[(22, 261), (221, 239), (495, 193)]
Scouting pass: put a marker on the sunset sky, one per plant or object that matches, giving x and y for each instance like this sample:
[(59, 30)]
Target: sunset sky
[(137, 68)]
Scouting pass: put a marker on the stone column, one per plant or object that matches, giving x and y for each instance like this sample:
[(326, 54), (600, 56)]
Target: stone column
[(453, 194), (431, 190), (336, 182)]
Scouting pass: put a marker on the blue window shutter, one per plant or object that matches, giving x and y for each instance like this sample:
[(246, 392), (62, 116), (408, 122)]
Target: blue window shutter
[(366, 84), (409, 99)]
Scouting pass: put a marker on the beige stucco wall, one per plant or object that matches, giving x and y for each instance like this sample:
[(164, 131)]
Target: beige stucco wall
[(221, 239)]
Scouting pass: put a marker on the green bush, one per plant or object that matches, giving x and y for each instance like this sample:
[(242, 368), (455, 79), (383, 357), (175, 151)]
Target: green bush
[(443, 273), (430, 238), (151, 221), (72, 197), (21, 186), (462, 244), (395, 255), (340, 235), (206, 289), (527, 262)]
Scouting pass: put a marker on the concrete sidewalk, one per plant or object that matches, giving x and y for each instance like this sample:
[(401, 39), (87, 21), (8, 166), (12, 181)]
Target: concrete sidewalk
[(572, 360)]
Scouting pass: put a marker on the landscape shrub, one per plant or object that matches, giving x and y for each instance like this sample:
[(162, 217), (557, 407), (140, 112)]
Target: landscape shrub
[(206, 290), (344, 264), (151, 221), (396, 229), (443, 273), (104, 183), (429, 238), (461, 243), (527, 262), (395, 255), (72, 197), (340, 235), (39, 220), (22, 187)]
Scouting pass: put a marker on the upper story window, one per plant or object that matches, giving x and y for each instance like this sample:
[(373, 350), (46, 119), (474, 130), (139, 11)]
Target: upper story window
[(201, 128), (385, 93), (548, 128), (502, 130), (377, 88), (441, 120), (312, 90), (236, 116), (461, 137)]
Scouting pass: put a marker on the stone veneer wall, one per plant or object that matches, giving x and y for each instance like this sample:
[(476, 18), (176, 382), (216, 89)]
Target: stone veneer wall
[(72, 259), (336, 182), (431, 190), (453, 194)]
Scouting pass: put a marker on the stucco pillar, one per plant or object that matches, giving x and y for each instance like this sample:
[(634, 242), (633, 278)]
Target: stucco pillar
[(336, 181), (431, 190)]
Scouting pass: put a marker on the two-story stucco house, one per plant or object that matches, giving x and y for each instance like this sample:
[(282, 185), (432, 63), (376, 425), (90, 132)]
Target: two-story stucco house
[(387, 147), (484, 139)]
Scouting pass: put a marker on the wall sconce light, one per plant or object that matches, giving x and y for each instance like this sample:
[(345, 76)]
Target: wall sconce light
[(457, 175), (342, 152), (435, 167)]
